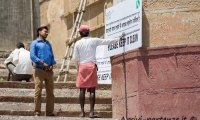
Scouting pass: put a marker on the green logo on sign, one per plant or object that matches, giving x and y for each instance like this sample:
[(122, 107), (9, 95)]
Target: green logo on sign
[(137, 4)]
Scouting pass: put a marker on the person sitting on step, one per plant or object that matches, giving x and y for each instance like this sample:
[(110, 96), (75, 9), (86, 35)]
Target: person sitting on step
[(19, 64)]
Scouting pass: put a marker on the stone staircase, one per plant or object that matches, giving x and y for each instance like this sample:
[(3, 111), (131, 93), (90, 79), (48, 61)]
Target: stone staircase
[(16, 98)]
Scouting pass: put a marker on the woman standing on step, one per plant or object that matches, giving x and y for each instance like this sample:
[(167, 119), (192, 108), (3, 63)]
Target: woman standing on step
[(85, 58)]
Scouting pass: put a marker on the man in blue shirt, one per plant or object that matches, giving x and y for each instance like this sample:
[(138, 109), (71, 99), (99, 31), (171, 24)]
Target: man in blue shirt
[(42, 55)]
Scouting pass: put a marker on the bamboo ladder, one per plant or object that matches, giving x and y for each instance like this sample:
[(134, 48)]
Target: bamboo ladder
[(71, 43)]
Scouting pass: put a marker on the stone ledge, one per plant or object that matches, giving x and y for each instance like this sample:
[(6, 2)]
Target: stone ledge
[(27, 115), (70, 100), (57, 92), (57, 107), (31, 85), (156, 51), (170, 10), (17, 117)]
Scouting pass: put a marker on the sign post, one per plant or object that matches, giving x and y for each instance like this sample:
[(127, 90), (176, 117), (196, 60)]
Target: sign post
[(124, 17)]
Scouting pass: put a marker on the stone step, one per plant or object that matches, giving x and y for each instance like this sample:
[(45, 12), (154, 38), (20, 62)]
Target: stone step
[(69, 100), (4, 71), (4, 54), (17, 98), (60, 61), (57, 92), (2, 60), (2, 66), (29, 114), (31, 85), (6, 117), (57, 65), (71, 76), (3, 78), (13, 106)]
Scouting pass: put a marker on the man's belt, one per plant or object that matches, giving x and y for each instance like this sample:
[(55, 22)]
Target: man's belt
[(43, 68)]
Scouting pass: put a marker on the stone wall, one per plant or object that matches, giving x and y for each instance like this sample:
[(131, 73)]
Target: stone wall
[(170, 22), (161, 79), (157, 82), (59, 16), (15, 22)]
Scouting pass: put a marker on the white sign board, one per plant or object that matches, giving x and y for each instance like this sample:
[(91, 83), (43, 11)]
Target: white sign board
[(104, 67), (119, 19), (104, 71), (124, 17)]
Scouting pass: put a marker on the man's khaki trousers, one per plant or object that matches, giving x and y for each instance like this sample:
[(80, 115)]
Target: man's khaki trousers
[(47, 76)]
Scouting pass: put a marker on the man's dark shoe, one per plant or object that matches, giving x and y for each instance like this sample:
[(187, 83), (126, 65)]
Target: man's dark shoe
[(36, 115)]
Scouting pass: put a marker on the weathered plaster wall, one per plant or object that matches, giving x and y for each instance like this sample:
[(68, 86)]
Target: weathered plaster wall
[(51, 12)]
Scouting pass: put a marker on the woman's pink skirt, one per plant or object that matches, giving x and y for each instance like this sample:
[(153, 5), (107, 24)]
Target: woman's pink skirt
[(87, 75)]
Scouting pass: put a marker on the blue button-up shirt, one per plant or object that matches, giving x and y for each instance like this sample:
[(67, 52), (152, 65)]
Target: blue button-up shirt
[(41, 51)]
